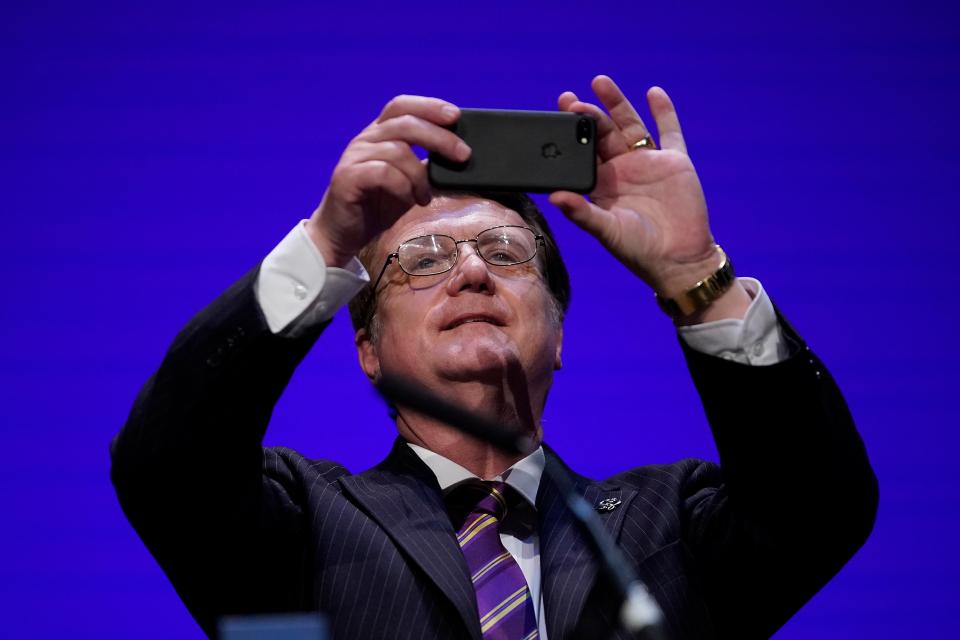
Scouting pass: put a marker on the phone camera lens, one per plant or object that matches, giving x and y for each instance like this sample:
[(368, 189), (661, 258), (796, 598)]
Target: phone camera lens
[(584, 131)]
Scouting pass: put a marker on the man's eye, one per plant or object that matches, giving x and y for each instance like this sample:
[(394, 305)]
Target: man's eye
[(425, 263), (503, 254)]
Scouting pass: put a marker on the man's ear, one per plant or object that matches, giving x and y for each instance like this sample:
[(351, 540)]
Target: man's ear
[(558, 361), (367, 354)]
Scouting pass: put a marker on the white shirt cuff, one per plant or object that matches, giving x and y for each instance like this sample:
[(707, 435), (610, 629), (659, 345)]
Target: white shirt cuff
[(295, 288), (754, 340)]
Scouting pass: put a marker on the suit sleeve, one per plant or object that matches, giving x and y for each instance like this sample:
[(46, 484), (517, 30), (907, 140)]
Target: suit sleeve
[(188, 466), (794, 497)]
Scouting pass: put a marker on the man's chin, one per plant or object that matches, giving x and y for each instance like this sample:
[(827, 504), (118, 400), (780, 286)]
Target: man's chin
[(480, 361)]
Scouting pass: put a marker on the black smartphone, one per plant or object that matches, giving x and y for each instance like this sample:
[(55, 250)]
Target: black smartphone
[(532, 151)]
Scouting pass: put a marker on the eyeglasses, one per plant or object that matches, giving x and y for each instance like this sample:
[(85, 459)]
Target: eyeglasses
[(434, 254)]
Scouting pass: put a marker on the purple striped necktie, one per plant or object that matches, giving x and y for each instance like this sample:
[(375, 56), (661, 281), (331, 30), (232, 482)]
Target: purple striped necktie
[(503, 598)]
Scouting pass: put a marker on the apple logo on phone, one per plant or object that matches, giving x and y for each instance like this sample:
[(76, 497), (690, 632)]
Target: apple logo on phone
[(550, 150)]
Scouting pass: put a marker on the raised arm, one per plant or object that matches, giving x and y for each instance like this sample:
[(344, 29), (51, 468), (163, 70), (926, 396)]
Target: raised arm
[(793, 499), (220, 514), (794, 496), (188, 465)]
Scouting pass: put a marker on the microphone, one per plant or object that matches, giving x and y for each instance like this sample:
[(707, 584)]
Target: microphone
[(401, 391), (638, 613)]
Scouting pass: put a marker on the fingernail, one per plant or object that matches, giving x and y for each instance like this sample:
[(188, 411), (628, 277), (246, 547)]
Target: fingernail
[(450, 112), (463, 150)]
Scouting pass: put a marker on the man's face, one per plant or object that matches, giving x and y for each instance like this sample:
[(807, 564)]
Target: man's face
[(476, 322)]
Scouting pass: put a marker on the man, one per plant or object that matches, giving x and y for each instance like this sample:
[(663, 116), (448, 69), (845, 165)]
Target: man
[(469, 303)]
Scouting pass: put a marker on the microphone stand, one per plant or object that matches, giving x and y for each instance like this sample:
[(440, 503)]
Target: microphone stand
[(639, 613)]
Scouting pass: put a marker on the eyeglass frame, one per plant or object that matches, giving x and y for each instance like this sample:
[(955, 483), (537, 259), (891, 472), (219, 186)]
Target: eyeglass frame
[(537, 237)]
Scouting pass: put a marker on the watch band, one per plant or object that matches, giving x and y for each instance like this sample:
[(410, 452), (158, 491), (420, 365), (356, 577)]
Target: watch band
[(703, 293)]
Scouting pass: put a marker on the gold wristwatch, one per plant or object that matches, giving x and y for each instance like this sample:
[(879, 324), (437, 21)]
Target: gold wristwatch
[(703, 293)]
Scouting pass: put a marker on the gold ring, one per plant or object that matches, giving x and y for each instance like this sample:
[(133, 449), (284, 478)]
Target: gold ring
[(646, 142)]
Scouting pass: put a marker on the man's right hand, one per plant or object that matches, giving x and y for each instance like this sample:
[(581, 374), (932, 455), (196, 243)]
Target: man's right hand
[(379, 178)]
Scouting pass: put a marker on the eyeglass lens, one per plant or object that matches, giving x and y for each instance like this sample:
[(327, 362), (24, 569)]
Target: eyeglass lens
[(432, 254)]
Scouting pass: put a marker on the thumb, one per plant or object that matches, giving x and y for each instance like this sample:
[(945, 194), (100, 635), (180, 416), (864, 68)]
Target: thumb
[(584, 214)]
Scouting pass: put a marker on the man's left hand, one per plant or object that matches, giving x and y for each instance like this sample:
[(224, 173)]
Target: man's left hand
[(648, 207)]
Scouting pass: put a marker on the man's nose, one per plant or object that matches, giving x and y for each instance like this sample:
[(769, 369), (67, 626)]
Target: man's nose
[(471, 273)]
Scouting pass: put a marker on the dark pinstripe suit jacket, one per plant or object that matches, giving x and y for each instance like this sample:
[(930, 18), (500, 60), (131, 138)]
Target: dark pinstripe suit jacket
[(729, 551)]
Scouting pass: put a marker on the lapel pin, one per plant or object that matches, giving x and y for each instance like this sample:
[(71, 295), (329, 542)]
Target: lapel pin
[(608, 504)]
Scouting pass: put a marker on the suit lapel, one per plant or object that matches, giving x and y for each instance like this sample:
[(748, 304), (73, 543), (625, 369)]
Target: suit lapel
[(568, 563), (402, 495)]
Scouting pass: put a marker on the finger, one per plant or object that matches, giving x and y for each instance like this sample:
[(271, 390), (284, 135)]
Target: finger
[(586, 215), (400, 155), (621, 110), (566, 99), (414, 130), (668, 124), (610, 142), (431, 109)]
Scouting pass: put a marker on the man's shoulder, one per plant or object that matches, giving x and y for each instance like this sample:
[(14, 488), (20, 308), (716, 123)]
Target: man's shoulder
[(288, 466), (684, 476)]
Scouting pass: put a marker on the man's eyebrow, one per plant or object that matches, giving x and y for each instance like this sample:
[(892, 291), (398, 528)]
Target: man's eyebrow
[(425, 232)]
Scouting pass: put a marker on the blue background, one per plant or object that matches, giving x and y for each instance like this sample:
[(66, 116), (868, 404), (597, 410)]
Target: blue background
[(152, 153)]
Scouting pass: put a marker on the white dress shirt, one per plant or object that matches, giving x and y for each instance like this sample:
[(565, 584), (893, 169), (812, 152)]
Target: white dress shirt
[(520, 539), (296, 291)]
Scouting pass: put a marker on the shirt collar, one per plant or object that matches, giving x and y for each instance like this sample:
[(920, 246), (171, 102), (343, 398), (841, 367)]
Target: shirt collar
[(524, 476)]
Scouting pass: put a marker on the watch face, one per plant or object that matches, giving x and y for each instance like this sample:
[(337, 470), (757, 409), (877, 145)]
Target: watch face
[(703, 293)]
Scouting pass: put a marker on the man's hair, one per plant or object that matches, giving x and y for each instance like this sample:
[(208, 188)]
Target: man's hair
[(363, 306)]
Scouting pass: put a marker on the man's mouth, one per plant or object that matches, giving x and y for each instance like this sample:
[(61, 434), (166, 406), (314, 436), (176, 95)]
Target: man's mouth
[(473, 319)]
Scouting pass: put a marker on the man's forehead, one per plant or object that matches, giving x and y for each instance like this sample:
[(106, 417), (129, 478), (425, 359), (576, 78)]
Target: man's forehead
[(453, 216)]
